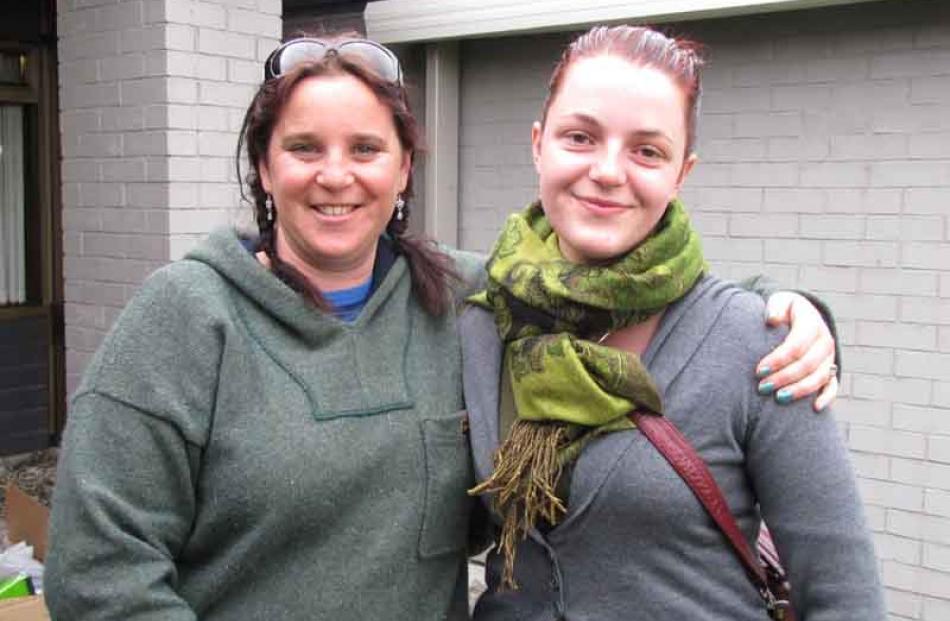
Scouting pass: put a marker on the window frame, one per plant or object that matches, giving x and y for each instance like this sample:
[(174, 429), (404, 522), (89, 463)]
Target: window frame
[(31, 29), (42, 150)]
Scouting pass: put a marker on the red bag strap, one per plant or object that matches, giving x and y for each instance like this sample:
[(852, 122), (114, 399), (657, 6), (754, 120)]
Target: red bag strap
[(690, 466)]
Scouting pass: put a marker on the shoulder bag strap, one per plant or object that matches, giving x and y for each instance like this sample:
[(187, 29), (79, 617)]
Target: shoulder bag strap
[(689, 465)]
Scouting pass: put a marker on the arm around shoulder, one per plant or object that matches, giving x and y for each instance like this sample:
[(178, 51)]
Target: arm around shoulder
[(470, 267)]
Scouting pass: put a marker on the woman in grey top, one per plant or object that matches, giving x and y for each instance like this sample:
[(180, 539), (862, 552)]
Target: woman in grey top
[(598, 303)]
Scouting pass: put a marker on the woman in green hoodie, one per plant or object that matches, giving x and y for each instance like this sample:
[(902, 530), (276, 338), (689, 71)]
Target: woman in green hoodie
[(275, 430)]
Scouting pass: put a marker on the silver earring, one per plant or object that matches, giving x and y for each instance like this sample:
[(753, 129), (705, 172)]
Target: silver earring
[(400, 209), (269, 208)]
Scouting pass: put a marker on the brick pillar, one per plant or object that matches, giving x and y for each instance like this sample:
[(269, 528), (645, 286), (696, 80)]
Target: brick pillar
[(152, 94)]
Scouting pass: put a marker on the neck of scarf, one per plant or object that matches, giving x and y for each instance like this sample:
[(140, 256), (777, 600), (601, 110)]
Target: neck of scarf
[(568, 388)]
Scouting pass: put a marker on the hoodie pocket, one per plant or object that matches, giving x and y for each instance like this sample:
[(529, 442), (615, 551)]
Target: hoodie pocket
[(449, 474)]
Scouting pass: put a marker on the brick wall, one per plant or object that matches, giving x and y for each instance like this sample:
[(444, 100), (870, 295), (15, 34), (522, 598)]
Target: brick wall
[(825, 162), (152, 93)]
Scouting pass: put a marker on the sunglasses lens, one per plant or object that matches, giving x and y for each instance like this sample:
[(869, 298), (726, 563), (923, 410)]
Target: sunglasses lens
[(379, 60), (299, 52)]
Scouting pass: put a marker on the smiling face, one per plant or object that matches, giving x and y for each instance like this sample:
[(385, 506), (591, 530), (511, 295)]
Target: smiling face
[(610, 156), (334, 167)]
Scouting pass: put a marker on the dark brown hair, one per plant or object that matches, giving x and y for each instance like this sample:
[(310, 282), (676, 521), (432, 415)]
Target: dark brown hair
[(430, 269), (680, 59)]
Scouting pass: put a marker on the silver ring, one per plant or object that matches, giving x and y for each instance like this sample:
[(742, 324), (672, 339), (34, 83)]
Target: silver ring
[(832, 371)]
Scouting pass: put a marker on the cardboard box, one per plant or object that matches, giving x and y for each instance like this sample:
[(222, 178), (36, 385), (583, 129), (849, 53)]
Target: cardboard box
[(23, 609), (27, 520)]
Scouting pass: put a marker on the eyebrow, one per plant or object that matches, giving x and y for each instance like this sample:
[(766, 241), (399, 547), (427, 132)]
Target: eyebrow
[(646, 133), (369, 137), (366, 136)]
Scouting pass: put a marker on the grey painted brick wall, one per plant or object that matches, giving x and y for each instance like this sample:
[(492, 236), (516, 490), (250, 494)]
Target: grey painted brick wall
[(152, 94), (825, 162)]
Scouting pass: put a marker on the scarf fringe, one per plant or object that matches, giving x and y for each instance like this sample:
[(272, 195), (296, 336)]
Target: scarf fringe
[(527, 470)]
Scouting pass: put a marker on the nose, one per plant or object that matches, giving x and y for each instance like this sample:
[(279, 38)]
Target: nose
[(335, 173), (607, 167)]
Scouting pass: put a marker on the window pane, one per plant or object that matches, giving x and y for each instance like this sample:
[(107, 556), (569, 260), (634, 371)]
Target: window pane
[(12, 198), (12, 68)]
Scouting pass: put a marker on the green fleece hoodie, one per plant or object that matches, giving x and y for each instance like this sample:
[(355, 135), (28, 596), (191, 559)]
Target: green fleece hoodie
[(234, 454)]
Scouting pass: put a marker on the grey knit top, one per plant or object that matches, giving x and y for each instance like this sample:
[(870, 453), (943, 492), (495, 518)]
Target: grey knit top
[(635, 543)]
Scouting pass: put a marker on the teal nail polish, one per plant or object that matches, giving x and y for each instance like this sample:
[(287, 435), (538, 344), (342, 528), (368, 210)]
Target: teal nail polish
[(766, 388), (763, 372), (784, 396)]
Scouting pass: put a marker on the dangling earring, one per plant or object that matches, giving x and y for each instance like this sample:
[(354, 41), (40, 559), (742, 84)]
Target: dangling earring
[(400, 209), (269, 209)]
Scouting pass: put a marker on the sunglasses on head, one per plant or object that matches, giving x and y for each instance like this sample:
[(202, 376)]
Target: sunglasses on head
[(370, 54)]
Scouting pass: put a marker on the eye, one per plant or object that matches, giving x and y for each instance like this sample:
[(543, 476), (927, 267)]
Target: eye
[(649, 153), (302, 147), (366, 149), (578, 138)]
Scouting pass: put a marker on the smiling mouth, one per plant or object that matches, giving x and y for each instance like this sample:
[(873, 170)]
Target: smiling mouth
[(600, 203), (335, 210)]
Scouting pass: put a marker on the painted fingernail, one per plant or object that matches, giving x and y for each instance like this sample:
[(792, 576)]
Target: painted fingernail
[(766, 388), (784, 396), (763, 371)]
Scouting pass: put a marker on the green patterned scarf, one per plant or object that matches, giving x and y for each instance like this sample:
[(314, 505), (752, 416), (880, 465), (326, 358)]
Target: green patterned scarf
[(567, 388)]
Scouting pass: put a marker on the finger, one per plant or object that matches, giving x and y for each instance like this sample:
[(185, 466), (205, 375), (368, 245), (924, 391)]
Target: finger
[(778, 308), (802, 378), (807, 331), (827, 395), (801, 340), (796, 346)]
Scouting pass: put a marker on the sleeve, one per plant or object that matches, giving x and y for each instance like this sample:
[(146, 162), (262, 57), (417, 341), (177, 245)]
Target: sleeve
[(124, 500), (470, 269), (764, 287), (122, 510), (801, 474)]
